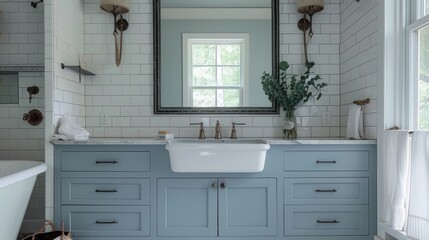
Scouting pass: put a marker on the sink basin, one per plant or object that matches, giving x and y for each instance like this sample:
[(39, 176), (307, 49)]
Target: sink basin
[(212, 155)]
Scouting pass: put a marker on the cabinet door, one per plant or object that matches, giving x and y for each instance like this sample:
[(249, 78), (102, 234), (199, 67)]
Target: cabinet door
[(187, 207), (248, 207)]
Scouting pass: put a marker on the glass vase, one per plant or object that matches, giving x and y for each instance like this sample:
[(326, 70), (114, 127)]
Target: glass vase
[(289, 126)]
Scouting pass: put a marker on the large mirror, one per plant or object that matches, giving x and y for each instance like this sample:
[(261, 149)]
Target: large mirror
[(210, 54)]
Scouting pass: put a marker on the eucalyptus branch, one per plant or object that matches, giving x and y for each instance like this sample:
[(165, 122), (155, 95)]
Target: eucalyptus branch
[(291, 91)]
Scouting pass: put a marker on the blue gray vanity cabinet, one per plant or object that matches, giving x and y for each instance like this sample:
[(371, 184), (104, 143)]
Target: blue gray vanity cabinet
[(104, 191), (217, 207), (329, 191), (128, 191)]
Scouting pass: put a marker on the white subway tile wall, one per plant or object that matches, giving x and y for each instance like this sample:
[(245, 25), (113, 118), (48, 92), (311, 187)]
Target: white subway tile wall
[(21, 141), (359, 61), (68, 42), (22, 43), (125, 94), (21, 38)]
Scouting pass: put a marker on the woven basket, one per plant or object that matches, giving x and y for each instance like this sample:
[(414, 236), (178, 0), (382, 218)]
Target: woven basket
[(52, 235)]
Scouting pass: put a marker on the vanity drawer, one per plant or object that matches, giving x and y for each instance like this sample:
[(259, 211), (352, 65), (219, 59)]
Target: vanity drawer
[(325, 220), (325, 190), (107, 221), (326, 161), (105, 161), (108, 191)]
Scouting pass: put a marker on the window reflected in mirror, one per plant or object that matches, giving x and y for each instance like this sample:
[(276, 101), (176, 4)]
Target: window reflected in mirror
[(215, 66)]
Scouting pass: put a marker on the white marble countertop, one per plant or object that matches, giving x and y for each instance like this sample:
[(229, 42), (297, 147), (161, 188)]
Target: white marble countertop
[(151, 141)]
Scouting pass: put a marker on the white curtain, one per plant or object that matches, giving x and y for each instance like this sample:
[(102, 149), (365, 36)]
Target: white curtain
[(395, 171), (418, 218)]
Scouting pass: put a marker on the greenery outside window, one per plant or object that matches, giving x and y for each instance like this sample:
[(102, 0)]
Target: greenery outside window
[(214, 70), (423, 80)]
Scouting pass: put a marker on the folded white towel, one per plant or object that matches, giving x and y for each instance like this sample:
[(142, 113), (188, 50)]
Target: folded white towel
[(72, 131), (353, 122)]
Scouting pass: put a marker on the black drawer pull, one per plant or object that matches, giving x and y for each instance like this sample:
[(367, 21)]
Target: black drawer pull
[(331, 221), (325, 190), (106, 162), (321, 161), (105, 222), (106, 191)]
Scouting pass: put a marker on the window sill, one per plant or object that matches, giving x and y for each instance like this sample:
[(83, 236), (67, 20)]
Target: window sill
[(399, 235)]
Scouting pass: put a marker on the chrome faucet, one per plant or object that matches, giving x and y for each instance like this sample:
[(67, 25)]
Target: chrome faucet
[(218, 134)]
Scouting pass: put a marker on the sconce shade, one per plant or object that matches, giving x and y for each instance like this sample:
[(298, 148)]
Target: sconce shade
[(115, 6), (310, 6)]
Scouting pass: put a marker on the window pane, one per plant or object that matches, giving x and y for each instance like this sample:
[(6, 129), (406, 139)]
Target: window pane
[(228, 98), (204, 76), (204, 98), (228, 76), (229, 54), (425, 7), (423, 105), (215, 64), (203, 54), (423, 84)]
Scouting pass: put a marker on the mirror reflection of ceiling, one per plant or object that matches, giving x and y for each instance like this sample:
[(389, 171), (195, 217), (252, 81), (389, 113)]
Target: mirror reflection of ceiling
[(216, 4), (216, 10)]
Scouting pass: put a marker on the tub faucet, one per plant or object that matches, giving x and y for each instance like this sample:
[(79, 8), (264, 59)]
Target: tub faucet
[(218, 134)]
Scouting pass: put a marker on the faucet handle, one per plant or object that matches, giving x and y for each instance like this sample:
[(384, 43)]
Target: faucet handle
[(218, 134), (201, 134), (234, 123), (233, 131)]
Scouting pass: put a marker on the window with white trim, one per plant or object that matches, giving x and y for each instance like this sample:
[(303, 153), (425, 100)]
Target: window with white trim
[(418, 67), (214, 69), (421, 8)]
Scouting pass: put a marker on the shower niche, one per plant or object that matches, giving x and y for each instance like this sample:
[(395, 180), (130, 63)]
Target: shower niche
[(9, 88)]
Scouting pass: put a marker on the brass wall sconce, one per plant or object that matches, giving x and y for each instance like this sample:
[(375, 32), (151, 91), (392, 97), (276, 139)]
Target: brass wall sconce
[(117, 8), (308, 7)]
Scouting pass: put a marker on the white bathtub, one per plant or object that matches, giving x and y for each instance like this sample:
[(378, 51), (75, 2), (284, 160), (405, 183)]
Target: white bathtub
[(17, 180)]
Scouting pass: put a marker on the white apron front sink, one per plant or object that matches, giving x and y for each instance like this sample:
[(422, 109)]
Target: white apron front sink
[(212, 155)]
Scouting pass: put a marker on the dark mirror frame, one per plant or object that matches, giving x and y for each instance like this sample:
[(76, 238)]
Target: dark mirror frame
[(158, 109)]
